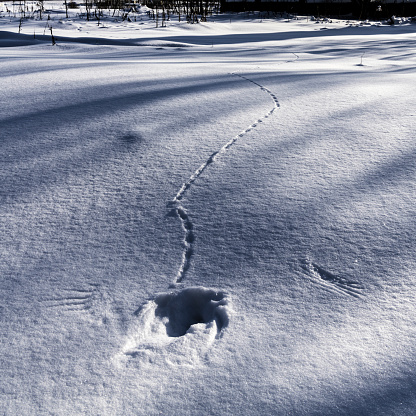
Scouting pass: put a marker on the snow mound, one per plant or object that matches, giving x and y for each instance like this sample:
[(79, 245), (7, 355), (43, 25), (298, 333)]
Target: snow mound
[(178, 327), (8, 39)]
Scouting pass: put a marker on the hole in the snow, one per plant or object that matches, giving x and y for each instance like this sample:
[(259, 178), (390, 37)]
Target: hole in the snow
[(192, 306)]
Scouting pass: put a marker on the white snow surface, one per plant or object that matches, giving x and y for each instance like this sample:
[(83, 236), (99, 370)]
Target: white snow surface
[(207, 219)]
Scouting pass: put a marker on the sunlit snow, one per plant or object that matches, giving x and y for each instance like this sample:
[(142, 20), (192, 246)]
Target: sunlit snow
[(207, 219)]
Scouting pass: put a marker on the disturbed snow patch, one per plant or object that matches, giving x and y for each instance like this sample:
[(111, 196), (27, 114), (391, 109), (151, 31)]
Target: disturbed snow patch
[(330, 281), (178, 327)]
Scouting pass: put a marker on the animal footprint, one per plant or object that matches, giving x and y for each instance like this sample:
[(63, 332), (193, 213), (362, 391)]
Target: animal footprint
[(179, 326), (318, 274)]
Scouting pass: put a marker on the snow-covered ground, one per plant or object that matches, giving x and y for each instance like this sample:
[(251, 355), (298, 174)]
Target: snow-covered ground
[(208, 219)]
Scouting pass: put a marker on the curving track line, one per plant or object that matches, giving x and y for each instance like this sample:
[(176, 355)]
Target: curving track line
[(181, 211)]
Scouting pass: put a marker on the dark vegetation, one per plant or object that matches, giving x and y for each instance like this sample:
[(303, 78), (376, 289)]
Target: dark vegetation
[(358, 9), (194, 11)]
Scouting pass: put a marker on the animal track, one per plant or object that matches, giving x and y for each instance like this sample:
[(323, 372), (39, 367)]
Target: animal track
[(94, 300), (77, 299), (330, 281), (273, 96), (180, 210), (192, 306), (184, 324), (188, 241)]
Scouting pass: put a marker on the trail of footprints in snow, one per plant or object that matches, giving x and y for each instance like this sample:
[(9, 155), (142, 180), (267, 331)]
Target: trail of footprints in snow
[(184, 323), (194, 317), (181, 211)]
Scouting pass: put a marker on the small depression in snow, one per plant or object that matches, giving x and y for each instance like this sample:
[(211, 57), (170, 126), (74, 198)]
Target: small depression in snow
[(131, 139), (197, 305)]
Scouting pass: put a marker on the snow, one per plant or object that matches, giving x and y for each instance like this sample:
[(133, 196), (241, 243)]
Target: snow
[(207, 219)]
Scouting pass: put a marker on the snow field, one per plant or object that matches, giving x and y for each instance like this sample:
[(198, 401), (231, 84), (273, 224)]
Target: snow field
[(298, 295)]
